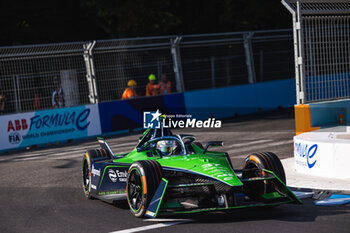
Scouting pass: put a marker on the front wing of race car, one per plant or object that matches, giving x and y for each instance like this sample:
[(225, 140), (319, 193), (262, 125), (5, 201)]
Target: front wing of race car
[(164, 199)]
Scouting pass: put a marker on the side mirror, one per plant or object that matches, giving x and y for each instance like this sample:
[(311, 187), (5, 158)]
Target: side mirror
[(214, 144), (187, 138), (142, 148)]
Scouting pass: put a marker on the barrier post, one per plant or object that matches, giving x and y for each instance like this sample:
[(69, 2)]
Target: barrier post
[(212, 63), (90, 71), (249, 56), (175, 51)]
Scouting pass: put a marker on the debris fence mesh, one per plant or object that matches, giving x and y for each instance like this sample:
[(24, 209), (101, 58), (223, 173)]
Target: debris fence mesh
[(68, 74)]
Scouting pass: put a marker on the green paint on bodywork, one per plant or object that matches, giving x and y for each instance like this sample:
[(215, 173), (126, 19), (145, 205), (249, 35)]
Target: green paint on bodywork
[(197, 149), (170, 205), (212, 164), (271, 195)]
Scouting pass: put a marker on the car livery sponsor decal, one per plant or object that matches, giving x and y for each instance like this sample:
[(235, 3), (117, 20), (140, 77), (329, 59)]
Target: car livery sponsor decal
[(122, 175), (95, 172), (217, 171), (113, 192), (93, 186), (305, 154), (112, 175)]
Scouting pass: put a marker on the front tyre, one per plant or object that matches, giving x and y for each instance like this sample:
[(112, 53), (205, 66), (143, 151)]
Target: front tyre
[(86, 169), (254, 166), (142, 182)]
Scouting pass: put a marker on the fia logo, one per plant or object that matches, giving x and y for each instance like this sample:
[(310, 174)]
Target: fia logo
[(15, 138), (151, 120)]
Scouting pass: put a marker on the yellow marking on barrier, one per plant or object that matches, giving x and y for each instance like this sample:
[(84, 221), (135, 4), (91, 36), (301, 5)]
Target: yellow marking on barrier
[(303, 119)]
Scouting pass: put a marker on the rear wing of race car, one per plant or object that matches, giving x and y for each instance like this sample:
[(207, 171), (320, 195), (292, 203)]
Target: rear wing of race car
[(104, 145)]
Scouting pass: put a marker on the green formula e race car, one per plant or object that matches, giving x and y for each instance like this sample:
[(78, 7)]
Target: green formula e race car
[(168, 173)]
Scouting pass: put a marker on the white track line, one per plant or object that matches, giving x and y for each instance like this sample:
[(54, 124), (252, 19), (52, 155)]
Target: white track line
[(150, 227)]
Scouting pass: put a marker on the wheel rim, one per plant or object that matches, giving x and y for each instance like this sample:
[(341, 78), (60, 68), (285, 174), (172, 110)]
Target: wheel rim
[(135, 190), (86, 178)]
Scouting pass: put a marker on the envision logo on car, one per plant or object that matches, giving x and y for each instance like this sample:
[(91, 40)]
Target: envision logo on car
[(112, 175)]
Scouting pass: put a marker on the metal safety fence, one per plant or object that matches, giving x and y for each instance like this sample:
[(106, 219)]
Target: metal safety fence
[(30, 74), (67, 74), (322, 48)]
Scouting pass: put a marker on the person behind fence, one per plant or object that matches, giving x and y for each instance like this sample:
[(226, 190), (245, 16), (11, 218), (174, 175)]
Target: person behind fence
[(130, 92), (57, 96), (164, 85), (152, 87)]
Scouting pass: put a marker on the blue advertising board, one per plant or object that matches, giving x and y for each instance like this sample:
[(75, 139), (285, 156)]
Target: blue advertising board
[(240, 100), (54, 125), (128, 114)]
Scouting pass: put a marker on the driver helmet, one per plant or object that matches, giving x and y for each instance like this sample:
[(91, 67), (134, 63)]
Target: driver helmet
[(166, 146)]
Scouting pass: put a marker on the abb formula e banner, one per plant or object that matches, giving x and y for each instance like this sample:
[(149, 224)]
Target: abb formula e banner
[(48, 126)]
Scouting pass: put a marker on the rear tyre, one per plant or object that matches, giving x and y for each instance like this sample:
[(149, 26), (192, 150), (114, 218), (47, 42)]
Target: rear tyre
[(143, 180), (255, 163), (86, 172)]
